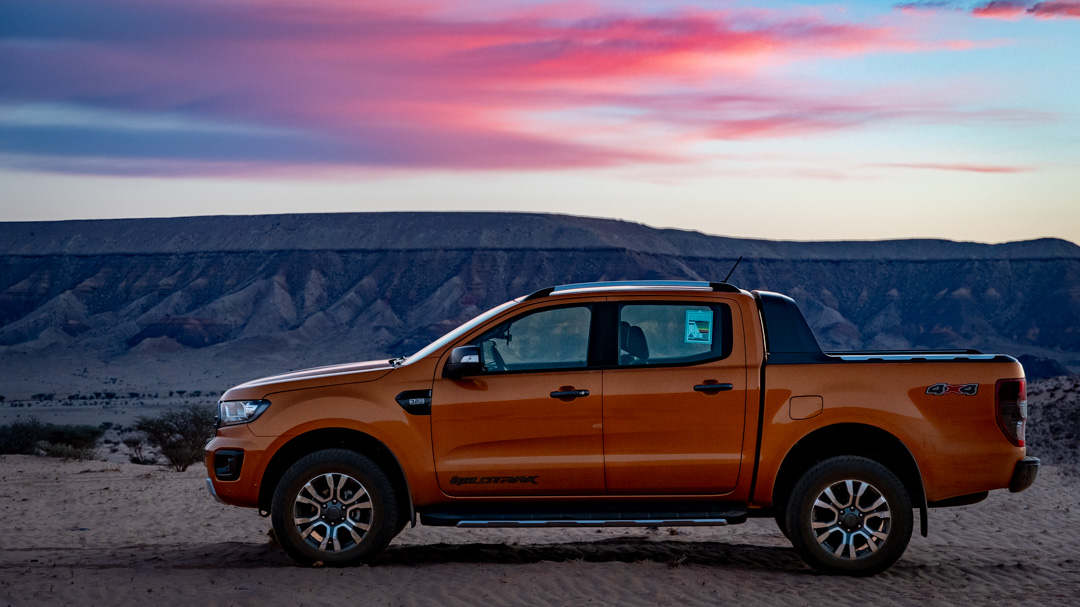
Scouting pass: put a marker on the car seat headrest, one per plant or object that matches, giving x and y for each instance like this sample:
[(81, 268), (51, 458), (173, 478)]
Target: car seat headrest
[(636, 344)]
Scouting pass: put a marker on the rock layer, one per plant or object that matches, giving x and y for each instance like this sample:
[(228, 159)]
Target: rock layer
[(241, 294)]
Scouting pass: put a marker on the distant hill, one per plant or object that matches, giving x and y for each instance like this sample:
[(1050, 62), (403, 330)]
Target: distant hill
[(204, 302)]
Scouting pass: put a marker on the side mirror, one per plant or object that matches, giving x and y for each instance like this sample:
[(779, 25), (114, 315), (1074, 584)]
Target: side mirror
[(464, 360)]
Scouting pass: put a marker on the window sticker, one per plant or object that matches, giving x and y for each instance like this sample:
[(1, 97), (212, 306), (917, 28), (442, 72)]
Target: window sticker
[(699, 324)]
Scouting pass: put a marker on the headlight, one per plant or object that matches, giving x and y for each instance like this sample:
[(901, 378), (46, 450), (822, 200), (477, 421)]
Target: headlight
[(232, 412)]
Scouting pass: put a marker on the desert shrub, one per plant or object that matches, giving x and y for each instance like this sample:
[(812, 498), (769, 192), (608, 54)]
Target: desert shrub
[(77, 437), (180, 434), (66, 451), (135, 444), (22, 437), (32, 436)]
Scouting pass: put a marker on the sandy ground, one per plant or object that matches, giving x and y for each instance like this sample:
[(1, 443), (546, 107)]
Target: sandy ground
[(114, 533), (102, 533)]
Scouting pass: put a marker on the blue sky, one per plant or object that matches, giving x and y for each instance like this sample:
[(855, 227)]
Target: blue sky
[(787, 120)]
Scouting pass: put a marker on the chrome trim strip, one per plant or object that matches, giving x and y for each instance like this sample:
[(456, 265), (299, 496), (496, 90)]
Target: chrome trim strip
[(685, 522), (210, 488), (635, 283), (928, 357)]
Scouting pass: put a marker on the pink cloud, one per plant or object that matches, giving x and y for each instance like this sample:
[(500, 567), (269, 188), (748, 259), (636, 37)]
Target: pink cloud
[(1012, 10), (423, 84), (1000, 9), (1050, 10)]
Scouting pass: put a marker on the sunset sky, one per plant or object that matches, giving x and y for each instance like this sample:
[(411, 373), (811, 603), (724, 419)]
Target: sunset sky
[(788, 120)]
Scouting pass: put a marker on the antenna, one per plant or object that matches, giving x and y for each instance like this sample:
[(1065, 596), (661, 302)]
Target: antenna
[(733, 268)]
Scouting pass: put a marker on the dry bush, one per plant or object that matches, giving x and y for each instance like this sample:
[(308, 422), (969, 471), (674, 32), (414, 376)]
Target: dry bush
[(33, 436), (179, 434), (64, 451), (21, 438)]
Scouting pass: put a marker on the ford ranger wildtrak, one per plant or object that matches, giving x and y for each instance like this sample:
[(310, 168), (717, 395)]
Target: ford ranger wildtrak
[(663, 403)]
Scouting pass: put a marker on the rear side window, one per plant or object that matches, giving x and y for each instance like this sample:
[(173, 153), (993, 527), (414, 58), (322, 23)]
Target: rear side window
[(673, 333), (552, 338)]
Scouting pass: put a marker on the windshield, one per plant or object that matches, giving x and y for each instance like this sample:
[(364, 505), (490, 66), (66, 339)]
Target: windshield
[(458, 332)]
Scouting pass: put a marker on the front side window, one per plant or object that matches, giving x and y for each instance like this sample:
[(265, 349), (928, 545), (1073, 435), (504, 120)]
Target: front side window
[(673, 333), (553, 338)]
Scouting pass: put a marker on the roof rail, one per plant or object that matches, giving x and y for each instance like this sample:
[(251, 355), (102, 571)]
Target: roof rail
[(722, 287)]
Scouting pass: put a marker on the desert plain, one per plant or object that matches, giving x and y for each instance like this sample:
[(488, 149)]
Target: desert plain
[(116, 533)]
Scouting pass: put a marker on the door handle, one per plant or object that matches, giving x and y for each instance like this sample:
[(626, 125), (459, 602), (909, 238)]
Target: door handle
[(569, 393), (713, 387)]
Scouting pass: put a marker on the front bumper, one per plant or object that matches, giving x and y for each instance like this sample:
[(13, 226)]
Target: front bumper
[(237, 484), (1024, 474), (210, 488)]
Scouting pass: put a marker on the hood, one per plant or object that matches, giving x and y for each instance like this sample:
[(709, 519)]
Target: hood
[(308, 378)]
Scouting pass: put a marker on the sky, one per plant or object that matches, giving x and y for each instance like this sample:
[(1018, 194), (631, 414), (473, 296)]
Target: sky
[(785, 120)]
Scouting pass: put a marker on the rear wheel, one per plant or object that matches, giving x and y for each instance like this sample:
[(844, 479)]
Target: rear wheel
[(334, 506), (849, 515)]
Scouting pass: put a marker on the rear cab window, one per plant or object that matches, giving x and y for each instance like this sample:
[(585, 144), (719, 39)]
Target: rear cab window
[(673, 333)]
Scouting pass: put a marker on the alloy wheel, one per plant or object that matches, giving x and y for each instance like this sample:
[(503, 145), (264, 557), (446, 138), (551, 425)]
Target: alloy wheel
[(851, 519), (333, 512)]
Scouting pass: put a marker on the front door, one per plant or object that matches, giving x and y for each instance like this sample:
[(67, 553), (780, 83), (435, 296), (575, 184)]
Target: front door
[(530, 423), (666, 431)]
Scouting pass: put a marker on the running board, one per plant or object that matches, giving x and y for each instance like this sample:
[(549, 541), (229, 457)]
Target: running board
[(584, 514), (678, 522)]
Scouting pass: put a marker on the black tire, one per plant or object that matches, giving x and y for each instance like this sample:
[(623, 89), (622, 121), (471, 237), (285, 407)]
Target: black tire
[(336, 507), (780, 516), (402, 524), (857, 537)]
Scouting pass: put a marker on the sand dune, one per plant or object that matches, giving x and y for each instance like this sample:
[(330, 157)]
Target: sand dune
[(97, 533)]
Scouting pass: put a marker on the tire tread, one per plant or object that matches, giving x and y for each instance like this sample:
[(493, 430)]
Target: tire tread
[(375, 481), (825, 473)]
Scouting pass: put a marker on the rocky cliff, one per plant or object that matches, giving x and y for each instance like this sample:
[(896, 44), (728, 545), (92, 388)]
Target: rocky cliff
[(208, 301)]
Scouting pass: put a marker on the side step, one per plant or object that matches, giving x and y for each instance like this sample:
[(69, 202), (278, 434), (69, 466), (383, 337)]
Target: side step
[(637, 514), (677, 522)]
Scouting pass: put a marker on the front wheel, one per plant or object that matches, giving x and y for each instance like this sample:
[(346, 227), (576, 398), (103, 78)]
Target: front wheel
[(780, 516), (849, 515), (334, 506)]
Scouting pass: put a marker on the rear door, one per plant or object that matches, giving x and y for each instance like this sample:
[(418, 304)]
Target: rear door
[(530, 423), (675, 401)]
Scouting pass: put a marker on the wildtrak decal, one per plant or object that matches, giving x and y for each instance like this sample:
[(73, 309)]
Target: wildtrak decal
[(492, 480), (941, 389)]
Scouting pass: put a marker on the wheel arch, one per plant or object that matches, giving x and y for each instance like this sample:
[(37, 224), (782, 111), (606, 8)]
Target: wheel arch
[(330, 438), (851, 439)]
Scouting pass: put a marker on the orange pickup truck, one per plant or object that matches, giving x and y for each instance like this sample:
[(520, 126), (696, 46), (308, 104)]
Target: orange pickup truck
[(663, 403)]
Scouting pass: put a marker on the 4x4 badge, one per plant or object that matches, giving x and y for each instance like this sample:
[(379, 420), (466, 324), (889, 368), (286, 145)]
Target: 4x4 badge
[(941, 389)]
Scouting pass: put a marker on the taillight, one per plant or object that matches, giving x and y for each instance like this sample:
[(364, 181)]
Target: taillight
[(1011, 396)]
